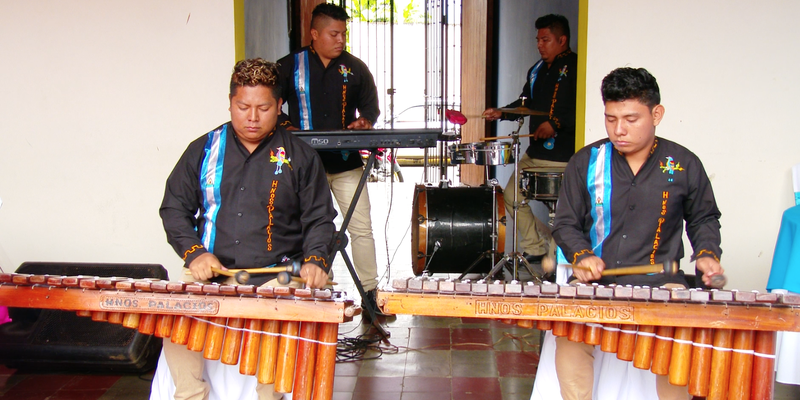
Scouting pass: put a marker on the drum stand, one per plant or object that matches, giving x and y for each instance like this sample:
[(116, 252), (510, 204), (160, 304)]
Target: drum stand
[(515, 257)]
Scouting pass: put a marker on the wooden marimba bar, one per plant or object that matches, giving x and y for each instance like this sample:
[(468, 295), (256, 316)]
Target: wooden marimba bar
[(282, 335), (721, 343)]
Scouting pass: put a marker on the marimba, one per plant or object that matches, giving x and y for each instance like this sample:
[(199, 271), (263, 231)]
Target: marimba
[(721, 343), (282, 335)]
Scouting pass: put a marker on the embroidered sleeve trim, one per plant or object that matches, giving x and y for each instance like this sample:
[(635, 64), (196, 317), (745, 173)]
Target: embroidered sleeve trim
[(192, 250), (580, 253), (706, 252), (317, 259)]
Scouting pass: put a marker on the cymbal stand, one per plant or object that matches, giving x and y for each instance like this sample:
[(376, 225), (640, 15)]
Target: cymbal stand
[(515, 257)]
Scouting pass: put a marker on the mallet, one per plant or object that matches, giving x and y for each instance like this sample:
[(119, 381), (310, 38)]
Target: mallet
[(285, 278), (717, 281)]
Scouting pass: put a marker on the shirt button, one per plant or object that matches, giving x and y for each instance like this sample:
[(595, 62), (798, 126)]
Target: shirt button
[(241, 188), (632, 207), (236, 241), (624, 236), (633, 183), (619, 262), (239, 214)]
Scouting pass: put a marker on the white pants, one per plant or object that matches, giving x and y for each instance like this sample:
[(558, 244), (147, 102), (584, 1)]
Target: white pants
[(344, 185)]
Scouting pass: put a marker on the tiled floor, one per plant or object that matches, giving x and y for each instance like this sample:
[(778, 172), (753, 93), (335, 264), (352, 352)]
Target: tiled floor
[(425, 358)]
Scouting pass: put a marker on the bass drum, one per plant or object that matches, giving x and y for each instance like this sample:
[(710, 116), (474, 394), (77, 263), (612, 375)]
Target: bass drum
[(452, 227)]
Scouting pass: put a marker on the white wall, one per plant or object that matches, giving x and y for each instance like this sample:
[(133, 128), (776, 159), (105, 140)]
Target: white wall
[(727, 75), (100, 98)]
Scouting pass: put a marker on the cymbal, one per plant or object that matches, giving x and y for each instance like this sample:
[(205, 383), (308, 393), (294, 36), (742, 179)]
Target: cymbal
[(522, 111)]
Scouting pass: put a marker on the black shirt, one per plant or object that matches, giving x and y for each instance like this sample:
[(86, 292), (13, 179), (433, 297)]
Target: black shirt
[(327, 98), (272, 203), (647, 211), (553, 91)]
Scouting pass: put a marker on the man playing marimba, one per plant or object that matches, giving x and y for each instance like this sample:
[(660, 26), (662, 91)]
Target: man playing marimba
[(623, 202), (246, 195)]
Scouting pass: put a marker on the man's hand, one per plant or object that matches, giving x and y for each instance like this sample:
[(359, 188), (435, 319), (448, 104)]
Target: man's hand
[(597, 266), (492, 114), (361, 124), (201, 267), (315, 277), (709, 267), (544, 131)]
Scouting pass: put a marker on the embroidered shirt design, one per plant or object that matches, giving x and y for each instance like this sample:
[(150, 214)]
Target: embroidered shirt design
[(279, 159), (345, 71), (670, 167)]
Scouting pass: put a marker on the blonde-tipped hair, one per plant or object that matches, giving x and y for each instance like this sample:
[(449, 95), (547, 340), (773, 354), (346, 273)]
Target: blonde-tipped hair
[(255, 72)]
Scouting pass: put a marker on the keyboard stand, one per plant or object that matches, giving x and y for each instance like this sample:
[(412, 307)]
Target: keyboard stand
[(340, 244)]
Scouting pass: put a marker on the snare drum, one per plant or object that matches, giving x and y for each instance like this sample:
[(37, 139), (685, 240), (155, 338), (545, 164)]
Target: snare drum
[(462, 153), (493, 153), (541, 184)]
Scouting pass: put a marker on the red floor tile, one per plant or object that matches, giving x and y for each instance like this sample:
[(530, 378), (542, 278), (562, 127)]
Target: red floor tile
[(424, 396), (426, 384), (90, 382), (93, 394), (517, 364), (477, 396), (44, 385), (378, 384), (429, 338), (373, 396), (471, 339), (476, 385)]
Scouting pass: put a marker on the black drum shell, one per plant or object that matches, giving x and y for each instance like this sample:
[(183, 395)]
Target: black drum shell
[(460, 219)]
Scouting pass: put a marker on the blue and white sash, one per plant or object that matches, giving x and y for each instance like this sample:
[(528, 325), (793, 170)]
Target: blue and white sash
[(598, 182), (210, 180), (302, 88), (534, 72)]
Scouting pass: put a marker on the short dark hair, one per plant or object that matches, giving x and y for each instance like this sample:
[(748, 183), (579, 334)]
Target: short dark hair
[(254, 72), (557, 24), (328, 10), (631, 84)]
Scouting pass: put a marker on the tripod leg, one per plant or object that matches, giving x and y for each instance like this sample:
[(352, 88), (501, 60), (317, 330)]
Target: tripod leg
[(499, 266), (483, 255), (536, 277)]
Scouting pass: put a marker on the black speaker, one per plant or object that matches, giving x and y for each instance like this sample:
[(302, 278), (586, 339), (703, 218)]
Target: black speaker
[(61, 340)]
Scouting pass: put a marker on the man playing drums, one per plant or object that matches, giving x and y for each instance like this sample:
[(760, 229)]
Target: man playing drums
[(549, 97)]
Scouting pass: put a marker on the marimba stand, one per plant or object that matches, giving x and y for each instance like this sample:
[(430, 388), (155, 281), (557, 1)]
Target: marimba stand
[(340, 244)]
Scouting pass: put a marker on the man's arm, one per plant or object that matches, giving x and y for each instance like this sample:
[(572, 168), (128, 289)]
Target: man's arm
[(562, 117), (368, 109), (316, 216), (702, 223), (493, 114), (180, 205)]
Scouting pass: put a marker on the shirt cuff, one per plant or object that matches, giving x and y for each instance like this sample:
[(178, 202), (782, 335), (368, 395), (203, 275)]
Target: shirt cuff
[(318, 261)]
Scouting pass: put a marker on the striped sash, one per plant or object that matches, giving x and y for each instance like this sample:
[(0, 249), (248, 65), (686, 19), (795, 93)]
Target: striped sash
[(302, 88), (210, 180), (598, 181)]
